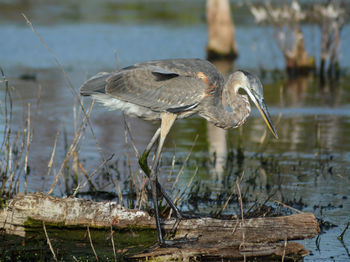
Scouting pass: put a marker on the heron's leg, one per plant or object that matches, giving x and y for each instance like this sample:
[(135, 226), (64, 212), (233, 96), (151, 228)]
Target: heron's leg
[(167, 120), (144, 166), (143, 158)]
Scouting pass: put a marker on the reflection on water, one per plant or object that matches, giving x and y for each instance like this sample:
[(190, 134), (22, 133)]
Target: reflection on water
[(217, 136)]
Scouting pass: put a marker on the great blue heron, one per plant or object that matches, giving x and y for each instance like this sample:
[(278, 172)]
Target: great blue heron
[(177, 88)]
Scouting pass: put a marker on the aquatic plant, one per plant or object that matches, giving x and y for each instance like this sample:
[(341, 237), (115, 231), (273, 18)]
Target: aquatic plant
[(14, 148)]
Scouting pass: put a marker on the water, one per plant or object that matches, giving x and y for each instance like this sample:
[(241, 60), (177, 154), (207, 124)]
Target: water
[(310, 161)]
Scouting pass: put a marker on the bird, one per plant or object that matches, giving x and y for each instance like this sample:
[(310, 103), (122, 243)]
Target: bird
[(172, 89)]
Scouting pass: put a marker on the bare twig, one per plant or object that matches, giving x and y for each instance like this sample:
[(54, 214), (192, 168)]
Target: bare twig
[(239, 196), (340, 237), (184, 163), (92, 245), (49, 165), (132, 178), (88, 177), (284, 249), (70, 85), (227, 201), (242, 215), (72, 148), (179, 196), (120, 195), (128, 133), (113, 245), (49, 243), (292, 208), (27, 151)]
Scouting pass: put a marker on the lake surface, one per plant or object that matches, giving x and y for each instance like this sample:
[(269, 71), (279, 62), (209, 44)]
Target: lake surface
[(309, 163)]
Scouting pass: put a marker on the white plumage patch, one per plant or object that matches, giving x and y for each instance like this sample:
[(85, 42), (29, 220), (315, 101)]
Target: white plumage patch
[(128, 108)]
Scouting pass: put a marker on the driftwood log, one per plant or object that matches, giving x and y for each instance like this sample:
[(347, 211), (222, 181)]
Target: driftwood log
[(217, 238)]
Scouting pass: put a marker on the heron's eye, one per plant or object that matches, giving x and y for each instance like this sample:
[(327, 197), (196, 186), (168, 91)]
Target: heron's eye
[(241, 91)]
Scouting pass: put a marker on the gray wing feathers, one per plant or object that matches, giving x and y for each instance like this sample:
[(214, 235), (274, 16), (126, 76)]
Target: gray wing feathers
[(95, 84), (149, 85), (145, 87)]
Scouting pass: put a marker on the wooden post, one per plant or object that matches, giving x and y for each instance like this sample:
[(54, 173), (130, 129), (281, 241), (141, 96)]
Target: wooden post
[(221, 31), (297, 61)]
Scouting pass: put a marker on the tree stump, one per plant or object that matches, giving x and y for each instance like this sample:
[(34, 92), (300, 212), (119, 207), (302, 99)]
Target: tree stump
[(221, 31)]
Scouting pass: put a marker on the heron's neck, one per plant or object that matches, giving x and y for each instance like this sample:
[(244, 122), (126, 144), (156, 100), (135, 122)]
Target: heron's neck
[(228, 110)]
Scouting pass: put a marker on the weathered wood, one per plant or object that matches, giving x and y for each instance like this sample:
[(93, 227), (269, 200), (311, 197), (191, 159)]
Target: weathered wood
[(221, 30), (67, 211), (218, 253), (227, 238)]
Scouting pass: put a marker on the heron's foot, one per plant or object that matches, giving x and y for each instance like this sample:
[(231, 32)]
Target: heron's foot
[(179, 216), (176, 243)]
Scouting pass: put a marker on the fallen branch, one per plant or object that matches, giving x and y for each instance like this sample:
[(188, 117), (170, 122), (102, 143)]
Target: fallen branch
[(217, 238)]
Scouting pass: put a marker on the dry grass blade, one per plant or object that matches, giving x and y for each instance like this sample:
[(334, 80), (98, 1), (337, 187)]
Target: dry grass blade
[(49, 165), (255, 207), (239, 196), (128, 133), (184, 163), (112, 238), (144, 196), (14, 146), (113, 245), (134, 179), (5, 145), (27, 150), (341, 236), (76, 95), (179, 196), (37, 103), (173, 160), (9, 168), (49, 242), (120, 195), (92, 244), (7, 111), (291, 208), (284, 249), (72, 148), (88, 178), (227, 201)]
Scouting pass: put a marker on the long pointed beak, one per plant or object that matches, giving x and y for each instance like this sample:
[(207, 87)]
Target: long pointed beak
[(260, 104), (266, 116)]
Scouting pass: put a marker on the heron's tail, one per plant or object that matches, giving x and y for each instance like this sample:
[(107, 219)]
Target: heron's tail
[(95, 84)]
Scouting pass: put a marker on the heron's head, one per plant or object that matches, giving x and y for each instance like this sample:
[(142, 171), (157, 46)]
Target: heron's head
[(252, 86)]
